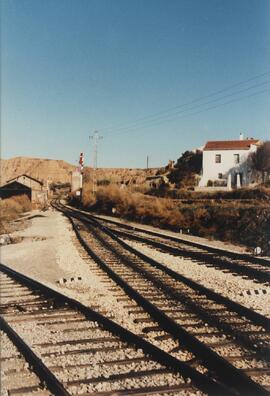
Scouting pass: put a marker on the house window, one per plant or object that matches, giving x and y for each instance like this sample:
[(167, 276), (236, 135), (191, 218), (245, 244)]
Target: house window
[(236, 158), (220, 175), (218, 158)]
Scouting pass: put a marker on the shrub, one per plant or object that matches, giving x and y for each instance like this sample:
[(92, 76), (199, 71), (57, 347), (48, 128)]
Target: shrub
[(88, 198), (11, 207), (56, 186), (186, 168), (220, 183), (103, 182), (136, 206), (24, 203), (260, 160), (231, 221)]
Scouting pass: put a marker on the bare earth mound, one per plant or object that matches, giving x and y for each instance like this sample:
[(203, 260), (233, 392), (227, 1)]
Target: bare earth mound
[(59, 171), (42, 169)]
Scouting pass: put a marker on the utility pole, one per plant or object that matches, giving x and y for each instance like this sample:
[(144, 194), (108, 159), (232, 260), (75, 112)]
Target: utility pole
[(147, 162), (81, 164), (95, 138)]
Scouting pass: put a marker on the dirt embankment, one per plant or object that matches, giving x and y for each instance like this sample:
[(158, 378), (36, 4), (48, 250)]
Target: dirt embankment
[(127, 176), (41, 169), (59, 171)]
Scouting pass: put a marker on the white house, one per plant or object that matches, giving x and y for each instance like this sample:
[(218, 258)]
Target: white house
[(225, 163)]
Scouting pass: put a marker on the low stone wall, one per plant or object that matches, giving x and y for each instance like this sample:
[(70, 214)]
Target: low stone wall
[(212, 189)]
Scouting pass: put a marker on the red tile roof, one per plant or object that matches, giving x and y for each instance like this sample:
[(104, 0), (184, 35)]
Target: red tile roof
[(231, 144)]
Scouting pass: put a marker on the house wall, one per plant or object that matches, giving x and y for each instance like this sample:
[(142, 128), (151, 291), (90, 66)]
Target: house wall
[(39, 197), (211, 169), (29, 182), (38, 194), (76, 181)]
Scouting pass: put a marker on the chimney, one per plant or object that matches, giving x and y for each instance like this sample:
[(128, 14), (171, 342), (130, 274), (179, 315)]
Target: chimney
[(241, 137)]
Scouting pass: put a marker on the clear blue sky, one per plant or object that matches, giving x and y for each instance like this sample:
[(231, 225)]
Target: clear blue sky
[(72, 66)]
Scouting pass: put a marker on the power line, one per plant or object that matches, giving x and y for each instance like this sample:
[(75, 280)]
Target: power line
[(168, 118), (202, 111), (172, 109)]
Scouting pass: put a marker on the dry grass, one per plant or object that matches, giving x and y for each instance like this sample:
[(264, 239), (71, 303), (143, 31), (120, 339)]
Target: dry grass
[(233, 221), (88, 198), (134, 206), (261, 192), (11, 208)]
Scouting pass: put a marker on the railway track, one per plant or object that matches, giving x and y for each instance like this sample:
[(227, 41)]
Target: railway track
[(255, 271), (228, 340), (72, 349), (240, 264), (21, 371), (244, 265)]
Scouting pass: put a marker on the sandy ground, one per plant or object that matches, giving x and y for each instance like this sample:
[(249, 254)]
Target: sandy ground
[(36, 254), (48, 254), (46, 251)]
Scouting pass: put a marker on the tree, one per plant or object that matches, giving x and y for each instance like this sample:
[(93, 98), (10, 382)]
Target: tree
[(186, 167), (260, 160)]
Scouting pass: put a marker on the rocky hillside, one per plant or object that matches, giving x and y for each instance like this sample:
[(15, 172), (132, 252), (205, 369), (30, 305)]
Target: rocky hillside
[(126, 176), (42, 169), (59, 171)]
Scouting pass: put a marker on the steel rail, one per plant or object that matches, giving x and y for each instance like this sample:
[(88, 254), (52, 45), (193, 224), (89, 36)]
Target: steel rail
[(216, 250), (40, 369), (238, 268), (254, 316), (203, 382), (225, 371), (241, 269), (263, 352)]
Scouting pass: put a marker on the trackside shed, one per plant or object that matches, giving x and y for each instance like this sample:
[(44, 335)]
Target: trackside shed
[(24, 184)]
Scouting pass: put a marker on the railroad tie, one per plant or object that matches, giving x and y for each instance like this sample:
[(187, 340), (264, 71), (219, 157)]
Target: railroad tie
[(254, 292), (75, 279)]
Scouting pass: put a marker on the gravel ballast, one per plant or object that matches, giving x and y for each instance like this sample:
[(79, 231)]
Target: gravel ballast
[(56, 257), (226, 284), (59, 255), (49, 251)]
